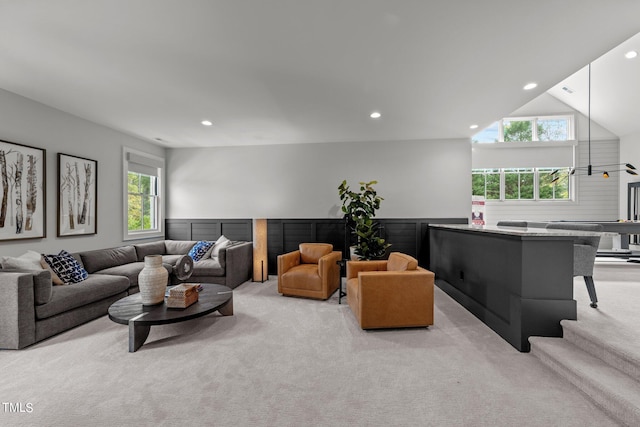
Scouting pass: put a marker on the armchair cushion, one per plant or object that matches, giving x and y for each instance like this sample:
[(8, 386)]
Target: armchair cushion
[(401, 262), (312, 271), (310, 253)]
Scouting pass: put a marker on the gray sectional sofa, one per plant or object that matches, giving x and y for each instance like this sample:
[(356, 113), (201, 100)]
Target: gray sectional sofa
[(33, 309)]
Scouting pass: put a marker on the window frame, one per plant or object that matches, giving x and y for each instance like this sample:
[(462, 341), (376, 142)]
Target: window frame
[(537, 172), (151, 162), (571, 133)]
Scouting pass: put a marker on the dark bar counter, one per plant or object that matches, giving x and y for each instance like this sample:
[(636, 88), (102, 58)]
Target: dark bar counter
[(518, 281)]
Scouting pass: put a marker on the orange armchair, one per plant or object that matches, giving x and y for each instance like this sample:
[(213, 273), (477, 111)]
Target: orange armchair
[(312, 271), (390, 294)]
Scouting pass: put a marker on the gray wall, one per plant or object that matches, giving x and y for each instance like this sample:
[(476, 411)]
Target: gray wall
[(27, 122), (416, 178)]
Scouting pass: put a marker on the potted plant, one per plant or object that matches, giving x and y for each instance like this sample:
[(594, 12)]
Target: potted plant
[(360, 208)]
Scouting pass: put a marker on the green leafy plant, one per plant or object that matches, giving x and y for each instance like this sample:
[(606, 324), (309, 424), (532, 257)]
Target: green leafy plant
[(360, 208)]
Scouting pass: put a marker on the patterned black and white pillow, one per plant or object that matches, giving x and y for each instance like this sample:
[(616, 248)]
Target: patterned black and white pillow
[(200, 249), (66, 267)]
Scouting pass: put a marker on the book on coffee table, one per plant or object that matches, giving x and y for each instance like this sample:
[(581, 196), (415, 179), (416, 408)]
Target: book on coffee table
[(183, 295)]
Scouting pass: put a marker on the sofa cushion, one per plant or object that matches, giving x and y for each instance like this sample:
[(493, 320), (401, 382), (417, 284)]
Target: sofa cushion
[(401, 262), (28, 261), (104, 258), (178, 247), (207, 267), (130, 271), (54, 277), (66, 267), (222, 242), (151, 248), (95, 288), (199, 250), (310, 253), (171, 259)]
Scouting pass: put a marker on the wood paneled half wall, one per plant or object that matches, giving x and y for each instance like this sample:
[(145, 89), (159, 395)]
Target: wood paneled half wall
[(407, 235)]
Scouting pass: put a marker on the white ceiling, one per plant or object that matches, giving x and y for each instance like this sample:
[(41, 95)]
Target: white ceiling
[(615, 89), (297, 71)]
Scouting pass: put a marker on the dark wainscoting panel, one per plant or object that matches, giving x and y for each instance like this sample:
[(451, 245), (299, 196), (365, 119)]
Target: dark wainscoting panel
[(208, 229), (407, 235)]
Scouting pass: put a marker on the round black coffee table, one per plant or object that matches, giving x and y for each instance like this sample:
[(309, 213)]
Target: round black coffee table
[(140, 318)]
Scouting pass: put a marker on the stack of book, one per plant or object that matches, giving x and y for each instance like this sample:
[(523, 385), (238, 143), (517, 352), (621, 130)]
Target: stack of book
[(183, 295)]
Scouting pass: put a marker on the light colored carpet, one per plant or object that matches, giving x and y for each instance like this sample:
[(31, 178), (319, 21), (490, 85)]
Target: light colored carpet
[(289, 362)]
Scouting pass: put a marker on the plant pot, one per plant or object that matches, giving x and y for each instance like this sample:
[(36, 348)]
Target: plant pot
[(152, 280)]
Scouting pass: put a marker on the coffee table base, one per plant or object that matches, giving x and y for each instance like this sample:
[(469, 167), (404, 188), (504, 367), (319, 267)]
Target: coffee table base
[(137, 333)]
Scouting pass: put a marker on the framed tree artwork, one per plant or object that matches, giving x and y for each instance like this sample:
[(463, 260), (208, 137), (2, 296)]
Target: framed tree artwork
[(77, 196), (22, 195)]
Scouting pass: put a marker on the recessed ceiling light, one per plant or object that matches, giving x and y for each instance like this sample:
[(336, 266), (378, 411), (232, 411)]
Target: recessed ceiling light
[(207, 122), (375, 115), (530, 86), (631, 54), (473, 127)]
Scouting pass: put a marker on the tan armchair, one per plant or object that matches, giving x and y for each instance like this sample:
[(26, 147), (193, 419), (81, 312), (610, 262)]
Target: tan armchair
[(390, 294), (312, 271)]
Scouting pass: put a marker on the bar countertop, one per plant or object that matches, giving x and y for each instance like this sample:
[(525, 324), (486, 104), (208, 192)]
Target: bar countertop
[(525, 232)]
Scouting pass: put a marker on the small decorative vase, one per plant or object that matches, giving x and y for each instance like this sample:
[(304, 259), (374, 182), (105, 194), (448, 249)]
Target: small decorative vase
[(152, 280)]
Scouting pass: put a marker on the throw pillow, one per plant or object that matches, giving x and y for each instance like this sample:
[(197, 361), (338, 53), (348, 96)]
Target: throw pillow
[(54, 277), (222, 242), (200, 249), (66, 267), (28, 261)]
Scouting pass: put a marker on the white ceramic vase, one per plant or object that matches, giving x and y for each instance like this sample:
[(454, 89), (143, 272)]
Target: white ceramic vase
[(152, 280)]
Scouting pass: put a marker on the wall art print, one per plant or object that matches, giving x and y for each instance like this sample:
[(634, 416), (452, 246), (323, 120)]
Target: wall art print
[(22, 195), (77, 196)]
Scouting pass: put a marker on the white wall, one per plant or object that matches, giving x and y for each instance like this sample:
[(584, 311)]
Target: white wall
[(417, 179), (30, 123), (596, 198)]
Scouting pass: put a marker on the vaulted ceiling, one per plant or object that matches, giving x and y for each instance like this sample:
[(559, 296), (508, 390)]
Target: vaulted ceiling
[(299, 71)]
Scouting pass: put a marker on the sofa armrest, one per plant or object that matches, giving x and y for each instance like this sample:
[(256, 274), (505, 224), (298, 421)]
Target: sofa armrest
[(237, 261), (17, 310), (354, 267)]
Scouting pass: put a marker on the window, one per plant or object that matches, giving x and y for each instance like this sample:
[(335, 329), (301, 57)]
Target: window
[(142, 208), (143, 195), (553, 129), (486, 183), (517, 130), (490, 134), (524, 184), (518, 184), (558, 190), (528, 129)]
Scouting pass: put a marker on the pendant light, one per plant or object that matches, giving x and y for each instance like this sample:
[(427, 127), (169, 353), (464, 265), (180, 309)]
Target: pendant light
[(590, 169)]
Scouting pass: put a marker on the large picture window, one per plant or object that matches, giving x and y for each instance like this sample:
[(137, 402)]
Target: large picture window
[(527, 129), (522, 184), (143, 201)]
